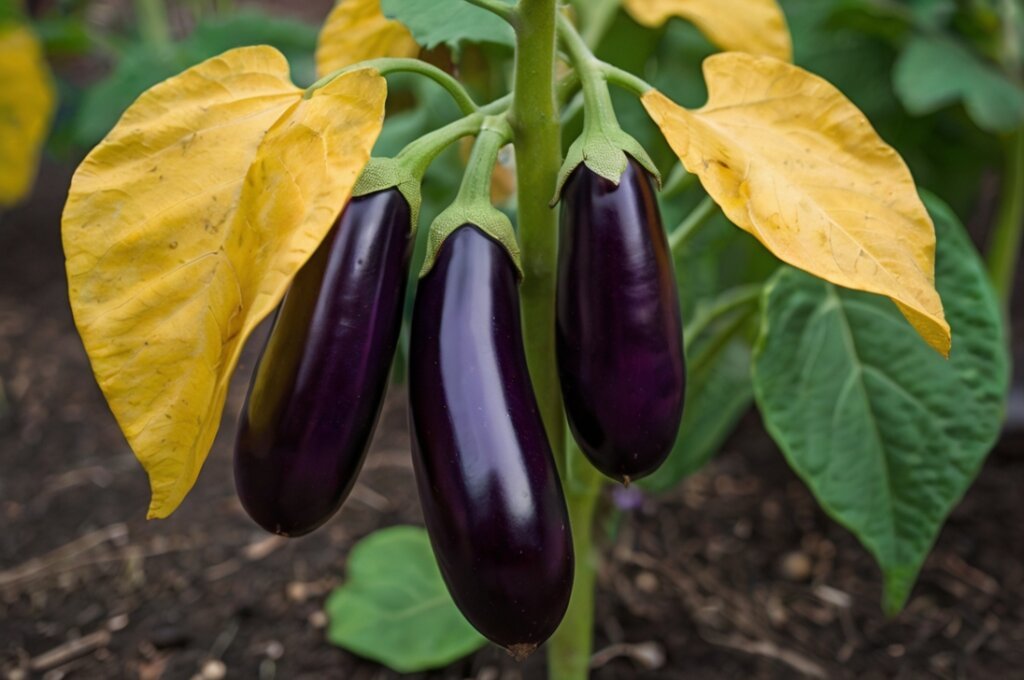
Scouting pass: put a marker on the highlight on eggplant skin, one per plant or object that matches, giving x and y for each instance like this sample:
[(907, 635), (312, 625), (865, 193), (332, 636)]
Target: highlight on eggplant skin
[(619, 332), (490, 492), (319, 385)]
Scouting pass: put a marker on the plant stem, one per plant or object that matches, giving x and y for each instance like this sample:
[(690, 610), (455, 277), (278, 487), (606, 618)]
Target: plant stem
[(476, 183), (386, 65), (701, 214), (421, 152), (537, 137), (570, 648), (151, 17), (599, 18), (535, 125), (598, 110), (679, 180), (625, 80), (725, 303), (1005, 244)]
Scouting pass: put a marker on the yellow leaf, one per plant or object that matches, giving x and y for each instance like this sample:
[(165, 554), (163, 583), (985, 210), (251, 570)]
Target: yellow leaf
[(183, 229), (754, 26), (26, 106), (796, 164), (356, 30)]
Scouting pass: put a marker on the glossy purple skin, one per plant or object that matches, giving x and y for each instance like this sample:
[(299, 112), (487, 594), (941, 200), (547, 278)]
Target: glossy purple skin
[(320, 382), (490, 492), (618, 331)]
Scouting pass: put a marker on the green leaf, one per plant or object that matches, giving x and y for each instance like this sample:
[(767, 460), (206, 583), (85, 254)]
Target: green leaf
[(394, 607), (63, 34), (449, 22), (935, 71), (219, 33), (886, 433)]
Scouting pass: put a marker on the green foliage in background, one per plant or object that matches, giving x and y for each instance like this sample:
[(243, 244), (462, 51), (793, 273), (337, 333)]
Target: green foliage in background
[(394, 607)]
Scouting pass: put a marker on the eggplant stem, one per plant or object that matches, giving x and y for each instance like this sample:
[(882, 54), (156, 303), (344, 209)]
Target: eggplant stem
[(704, 211), (1005, 244), (387, 65)]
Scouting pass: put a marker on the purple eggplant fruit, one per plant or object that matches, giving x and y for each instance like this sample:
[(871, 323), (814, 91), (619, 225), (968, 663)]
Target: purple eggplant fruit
[(487, 481), (320, 382), (618, 329)]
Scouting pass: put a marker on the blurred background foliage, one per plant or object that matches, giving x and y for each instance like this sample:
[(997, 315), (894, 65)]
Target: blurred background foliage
[(939, 79)]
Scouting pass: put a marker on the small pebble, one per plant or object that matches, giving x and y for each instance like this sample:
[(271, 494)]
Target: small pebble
[(214, 669), (274, 650), (318, 619), (795, 566), (297, 591), (650, 655), (647, 582), (117, 622)]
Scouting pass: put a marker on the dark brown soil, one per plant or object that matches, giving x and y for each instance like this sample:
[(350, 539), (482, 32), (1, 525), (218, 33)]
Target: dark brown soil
[(735, 575)]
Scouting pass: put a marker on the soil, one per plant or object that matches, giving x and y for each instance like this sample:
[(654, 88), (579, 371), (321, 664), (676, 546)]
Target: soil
[(737, 574)]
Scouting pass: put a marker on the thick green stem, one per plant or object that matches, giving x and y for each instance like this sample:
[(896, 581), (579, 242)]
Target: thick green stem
[(537, 136), (535, 124), (1004, 247), (570, 648)]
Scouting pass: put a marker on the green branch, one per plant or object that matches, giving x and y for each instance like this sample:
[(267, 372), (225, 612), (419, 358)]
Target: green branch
[(1004, 247), (388, 65), (699, 216), (596, 98), (626, 80), (151, 18)]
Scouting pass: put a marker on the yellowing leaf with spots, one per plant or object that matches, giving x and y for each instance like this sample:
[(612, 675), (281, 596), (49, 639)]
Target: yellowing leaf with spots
[(26, 106), (796, 164), (356, 30), (754, 26), (184, 227)]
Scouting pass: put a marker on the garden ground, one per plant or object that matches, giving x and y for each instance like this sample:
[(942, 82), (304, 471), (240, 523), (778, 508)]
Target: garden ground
[(737, 574)]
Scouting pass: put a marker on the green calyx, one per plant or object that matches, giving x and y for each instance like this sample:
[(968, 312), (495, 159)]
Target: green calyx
[(473, 206), (606, 151), (603, 147), (381, 174), (486, 218)]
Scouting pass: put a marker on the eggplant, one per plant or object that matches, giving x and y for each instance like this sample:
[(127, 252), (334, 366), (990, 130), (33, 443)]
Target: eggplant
[(487, 481), (619, 338), (317, 391)]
